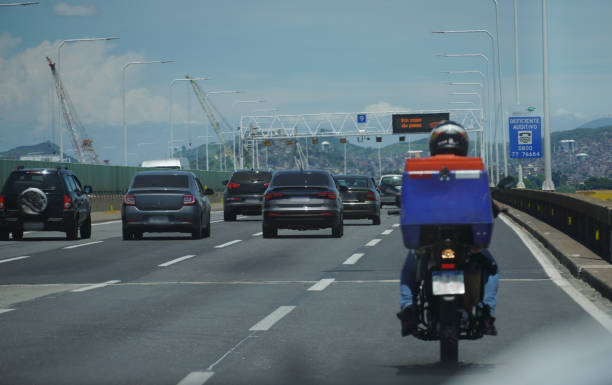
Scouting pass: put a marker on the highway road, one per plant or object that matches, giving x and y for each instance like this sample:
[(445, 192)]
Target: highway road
[(235, 308)]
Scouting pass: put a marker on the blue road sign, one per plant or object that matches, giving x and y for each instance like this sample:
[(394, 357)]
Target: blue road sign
[(361, 118), (525, 137)]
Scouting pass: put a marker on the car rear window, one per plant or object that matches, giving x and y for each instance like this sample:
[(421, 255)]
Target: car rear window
[(392, 180), (46, 181), (353, 182), (251, 176), (175, 181), (301, 179)]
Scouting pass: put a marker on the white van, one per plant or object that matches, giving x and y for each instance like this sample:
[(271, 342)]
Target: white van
[(170, 164)]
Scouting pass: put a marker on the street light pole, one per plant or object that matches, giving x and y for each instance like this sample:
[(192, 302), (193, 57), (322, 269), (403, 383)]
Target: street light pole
[(125, 157), (58, 68), (548, 184), (171, 152)]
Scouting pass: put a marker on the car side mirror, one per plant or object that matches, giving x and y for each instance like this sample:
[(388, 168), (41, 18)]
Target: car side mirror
[(342, 188), (225, 182), (87, 189), (209, 191)]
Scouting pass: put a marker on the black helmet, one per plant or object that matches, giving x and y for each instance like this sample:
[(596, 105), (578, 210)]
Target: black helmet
[(449, 137)]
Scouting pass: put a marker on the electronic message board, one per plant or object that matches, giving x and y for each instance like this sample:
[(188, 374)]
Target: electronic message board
[(417, 123)]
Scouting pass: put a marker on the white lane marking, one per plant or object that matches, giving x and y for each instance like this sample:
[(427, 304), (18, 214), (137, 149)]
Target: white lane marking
[(196, 378), (105, 223), (14, 259), (177, 260), (396, 225), (228, 243), (81, 245), (257, 234), (353, 259), (373, 242), (322, 284), (5, 310), (96, 286), (556, 277), (270, 320), (217, 221), (387, 232), (210, 368)]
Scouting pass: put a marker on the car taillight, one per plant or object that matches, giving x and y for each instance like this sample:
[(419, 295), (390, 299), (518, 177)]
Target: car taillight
[(233, 185), (129, 200), (448, 266), (266, 184), (188, 200), (329, 195), (272, 195), (67, 202), (1, 202), (370, 196)]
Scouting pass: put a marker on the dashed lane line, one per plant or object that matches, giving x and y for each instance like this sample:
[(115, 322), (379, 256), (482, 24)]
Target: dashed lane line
[(14, 259), (196, 378), (353, 259), (322, 284), (373, 242), (228, 243), (177, 260), (396, 225), (257, 234), (5, 310), (387, 232), (105, 223), (272, 318), (96, 286), (81, 245)]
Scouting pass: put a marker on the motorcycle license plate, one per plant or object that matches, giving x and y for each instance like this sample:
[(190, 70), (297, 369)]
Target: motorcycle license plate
[(448, 282)]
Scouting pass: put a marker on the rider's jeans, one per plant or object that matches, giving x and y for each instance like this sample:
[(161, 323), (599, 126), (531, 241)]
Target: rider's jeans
[(408, 286)]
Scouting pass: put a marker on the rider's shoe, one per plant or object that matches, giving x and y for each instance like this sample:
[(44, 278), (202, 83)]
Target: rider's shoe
[(408, 316), (488, 322)]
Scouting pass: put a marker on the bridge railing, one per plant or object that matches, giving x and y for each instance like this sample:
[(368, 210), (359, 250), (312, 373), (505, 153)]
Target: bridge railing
[(587, 220)]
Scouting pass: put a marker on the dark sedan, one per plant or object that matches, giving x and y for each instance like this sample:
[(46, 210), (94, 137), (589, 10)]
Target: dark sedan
[(302, 200), (390, 188), (166, 201), (361, 200), (244, 193)]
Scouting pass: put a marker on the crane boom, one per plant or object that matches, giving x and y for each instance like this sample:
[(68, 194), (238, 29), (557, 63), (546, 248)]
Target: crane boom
[(206, 106), (83, 145)]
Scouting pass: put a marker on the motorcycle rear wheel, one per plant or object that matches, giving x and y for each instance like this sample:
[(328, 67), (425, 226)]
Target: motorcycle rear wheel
[(449, 336)]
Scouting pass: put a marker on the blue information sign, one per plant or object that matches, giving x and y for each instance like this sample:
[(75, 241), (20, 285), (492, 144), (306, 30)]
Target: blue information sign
[(361, 118), (525, 137)]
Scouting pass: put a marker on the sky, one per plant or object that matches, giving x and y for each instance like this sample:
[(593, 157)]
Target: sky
[(299, 56)]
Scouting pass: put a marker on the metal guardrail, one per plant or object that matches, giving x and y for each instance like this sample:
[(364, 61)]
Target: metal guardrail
[(587, 220)]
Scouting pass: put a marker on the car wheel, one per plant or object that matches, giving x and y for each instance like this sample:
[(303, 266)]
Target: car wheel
[(4, 235), (229, 217), (196, 232), (376, 220), (137, 235), (127, 235), (86, 228), (207, 230), (18, 235), (338, 230), (72, 232), (269, 231)]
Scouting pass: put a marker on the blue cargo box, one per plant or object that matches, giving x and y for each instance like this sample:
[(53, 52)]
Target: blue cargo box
[(458, 197)]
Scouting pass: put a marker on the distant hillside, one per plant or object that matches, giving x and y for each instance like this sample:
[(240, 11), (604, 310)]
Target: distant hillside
[(581, 133), (597, 123)]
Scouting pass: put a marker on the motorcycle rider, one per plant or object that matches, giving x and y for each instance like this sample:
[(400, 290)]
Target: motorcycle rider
[(448, 137)]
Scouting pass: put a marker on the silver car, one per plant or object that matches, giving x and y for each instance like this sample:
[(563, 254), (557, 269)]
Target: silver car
[(166, 201)]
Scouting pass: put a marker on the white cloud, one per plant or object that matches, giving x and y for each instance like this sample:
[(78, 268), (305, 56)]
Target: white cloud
[(64, 9), (383, 106), (8, 42)]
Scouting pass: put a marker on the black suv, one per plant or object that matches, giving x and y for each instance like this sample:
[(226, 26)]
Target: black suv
[(44, 199), (244, 193)]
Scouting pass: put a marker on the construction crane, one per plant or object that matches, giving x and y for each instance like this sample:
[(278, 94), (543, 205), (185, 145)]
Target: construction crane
[(83, 145), (208, 107)]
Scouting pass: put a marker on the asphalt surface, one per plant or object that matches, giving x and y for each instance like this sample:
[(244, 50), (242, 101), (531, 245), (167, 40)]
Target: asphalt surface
[(239, 309)]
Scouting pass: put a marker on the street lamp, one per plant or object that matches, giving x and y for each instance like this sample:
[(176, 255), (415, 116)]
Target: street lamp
[(125, 158), (207, 136), (260, 100), (171, 122), (58, 68)]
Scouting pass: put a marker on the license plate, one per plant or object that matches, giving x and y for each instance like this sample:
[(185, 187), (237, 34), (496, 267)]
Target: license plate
[(252, 200), (33, 226), (158, 219), (448, 282)]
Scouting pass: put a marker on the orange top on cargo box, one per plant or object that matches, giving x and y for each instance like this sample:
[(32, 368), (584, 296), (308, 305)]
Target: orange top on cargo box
[(450, 161)]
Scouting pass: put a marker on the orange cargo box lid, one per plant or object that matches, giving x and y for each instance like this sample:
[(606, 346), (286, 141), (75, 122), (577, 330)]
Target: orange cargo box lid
[(451, 162)]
